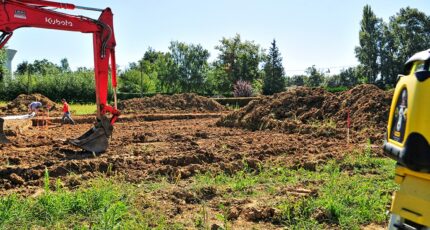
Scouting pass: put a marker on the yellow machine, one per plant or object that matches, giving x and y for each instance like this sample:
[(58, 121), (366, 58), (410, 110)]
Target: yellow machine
[(407, 142)]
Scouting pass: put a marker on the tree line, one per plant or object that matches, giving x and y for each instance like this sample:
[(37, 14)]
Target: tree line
[(242, 67)]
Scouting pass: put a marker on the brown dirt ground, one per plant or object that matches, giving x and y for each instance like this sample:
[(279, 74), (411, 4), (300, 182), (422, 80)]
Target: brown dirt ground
[(176, 147), (145, 150)]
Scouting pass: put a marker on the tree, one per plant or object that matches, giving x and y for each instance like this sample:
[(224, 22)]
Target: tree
[(22, 68), (332, 81), (408, 32), (237, 60), (274, 81), (348, 77), (64, 65), (143, 76), (370, 42), (3, 61), (297, 80), (315, 78), (189, 66), (38, 67), (389, 64)]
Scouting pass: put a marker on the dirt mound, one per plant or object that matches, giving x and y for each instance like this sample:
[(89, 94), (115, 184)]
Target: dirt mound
[(369, 106), (315, 111), (187, 102), (20, 104)]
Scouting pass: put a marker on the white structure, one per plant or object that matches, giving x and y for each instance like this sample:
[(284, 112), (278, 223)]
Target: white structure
[(10, 55)]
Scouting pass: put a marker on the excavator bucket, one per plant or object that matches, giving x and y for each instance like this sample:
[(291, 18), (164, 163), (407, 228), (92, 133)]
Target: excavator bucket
[(3, 139), (97, 138)]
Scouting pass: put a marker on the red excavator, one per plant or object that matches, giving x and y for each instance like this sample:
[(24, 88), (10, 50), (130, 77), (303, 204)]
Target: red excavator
[(15, 14)]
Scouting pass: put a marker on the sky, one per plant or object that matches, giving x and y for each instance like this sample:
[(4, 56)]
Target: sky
[(323, 33)]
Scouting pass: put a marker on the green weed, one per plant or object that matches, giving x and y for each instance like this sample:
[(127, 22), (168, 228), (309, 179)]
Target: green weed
[(103, 203), (349, 193)]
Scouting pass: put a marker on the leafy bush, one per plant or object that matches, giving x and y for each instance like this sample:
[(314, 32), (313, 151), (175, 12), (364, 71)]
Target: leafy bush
[(243, 89), (74, 87)]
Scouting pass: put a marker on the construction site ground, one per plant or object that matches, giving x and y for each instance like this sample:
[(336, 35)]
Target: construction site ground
[(174, 149), (200, 174)]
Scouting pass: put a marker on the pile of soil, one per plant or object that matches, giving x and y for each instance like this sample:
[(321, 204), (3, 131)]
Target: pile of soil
[(317, 112), (369, 106), (187, 102), (20, 104)]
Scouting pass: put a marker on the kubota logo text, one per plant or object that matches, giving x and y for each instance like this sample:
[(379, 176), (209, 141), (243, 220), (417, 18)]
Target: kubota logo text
[(58, 22)]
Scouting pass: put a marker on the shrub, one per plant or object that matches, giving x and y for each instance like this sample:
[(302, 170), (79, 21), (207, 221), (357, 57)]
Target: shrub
[(243, 89)]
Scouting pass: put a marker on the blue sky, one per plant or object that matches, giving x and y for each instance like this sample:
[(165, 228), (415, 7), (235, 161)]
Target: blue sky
[(313, 32)]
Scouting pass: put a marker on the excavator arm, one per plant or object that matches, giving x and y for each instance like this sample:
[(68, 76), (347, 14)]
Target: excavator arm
[(15, 14)]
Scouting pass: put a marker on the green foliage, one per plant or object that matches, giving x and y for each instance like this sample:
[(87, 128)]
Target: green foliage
[(77, 86), (237, 60), (3, 60), (274, 81), (297, 80), (40, 67), (408, 32), (315, 78), (189, 66), (64, 66), (384, 48), (136, 81), (369, 50)]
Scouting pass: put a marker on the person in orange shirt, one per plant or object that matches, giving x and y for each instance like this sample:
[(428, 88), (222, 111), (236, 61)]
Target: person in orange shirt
[(66, 112)]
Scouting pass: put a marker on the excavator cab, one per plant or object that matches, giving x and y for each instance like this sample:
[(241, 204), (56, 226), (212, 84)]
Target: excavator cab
[(407, 142)]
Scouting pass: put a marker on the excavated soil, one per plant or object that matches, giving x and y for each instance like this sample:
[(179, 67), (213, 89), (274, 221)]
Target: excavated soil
[(178, 147), (145, 150), (20, 104), (316, 111), (177, 103)]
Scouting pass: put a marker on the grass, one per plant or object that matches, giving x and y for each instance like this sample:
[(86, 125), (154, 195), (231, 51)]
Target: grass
[(350, 193), (347, 194), (103, 203), (83, 109), (232, 107), (327, 123)]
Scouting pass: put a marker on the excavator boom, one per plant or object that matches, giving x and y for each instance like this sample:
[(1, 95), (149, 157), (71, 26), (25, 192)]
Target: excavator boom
[(15, 14)]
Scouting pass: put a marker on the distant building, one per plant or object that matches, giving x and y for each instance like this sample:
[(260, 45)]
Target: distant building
[(10, 55)]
